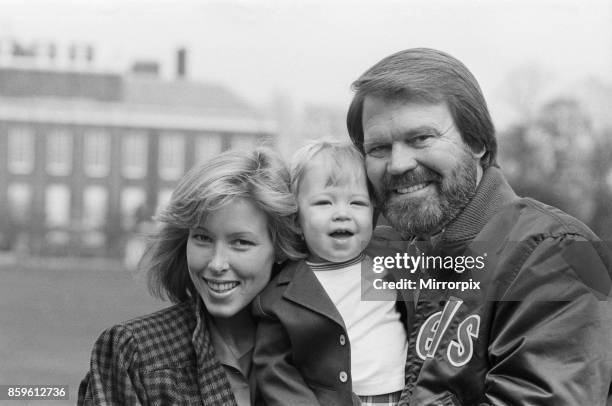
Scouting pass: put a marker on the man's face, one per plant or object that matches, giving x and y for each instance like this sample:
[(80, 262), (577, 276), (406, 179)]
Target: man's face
[(422, 171)]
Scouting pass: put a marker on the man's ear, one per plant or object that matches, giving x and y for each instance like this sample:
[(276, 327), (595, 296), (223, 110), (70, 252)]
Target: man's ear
[(478, 154)]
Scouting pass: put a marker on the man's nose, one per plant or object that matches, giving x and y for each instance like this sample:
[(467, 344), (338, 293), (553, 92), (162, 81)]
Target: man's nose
[(403, 159), (219, 261)]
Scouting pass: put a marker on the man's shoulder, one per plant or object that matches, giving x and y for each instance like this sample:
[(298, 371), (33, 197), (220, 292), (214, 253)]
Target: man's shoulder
[(526, 218), (527, 234)]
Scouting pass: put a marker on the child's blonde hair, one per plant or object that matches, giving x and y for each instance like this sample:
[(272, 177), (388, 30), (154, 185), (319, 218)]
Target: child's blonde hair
[(346, 162)]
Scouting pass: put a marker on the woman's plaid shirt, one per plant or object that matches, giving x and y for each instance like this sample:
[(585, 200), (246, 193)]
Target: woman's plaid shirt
[(163, 358)]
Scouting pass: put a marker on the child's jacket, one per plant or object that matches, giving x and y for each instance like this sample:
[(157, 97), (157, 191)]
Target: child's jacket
[(300, 326)]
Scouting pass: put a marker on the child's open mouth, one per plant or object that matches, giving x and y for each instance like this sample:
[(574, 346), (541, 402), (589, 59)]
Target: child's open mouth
[(341, 234)]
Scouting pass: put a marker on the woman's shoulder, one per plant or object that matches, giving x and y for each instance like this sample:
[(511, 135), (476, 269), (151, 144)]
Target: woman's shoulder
[(178, 316), (153, 338), (147, 358)]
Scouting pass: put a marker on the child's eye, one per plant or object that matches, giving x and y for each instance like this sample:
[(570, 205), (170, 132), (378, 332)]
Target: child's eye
[(322, 202), (363, 203)]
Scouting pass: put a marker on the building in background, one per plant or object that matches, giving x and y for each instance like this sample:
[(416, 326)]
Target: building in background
[(87, 155)]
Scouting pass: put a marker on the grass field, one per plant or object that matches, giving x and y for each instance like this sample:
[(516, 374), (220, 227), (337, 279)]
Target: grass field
[(51, 312)]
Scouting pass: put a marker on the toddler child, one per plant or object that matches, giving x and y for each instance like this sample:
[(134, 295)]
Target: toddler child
[(317, 342)]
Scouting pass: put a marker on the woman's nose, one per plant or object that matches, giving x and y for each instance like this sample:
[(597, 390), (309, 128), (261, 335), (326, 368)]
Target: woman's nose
[(219, 261)]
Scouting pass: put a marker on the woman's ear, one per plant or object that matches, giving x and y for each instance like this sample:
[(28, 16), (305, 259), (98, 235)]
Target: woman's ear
[(298, 230)]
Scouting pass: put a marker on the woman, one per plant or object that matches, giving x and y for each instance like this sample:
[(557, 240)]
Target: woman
[(227, 223)]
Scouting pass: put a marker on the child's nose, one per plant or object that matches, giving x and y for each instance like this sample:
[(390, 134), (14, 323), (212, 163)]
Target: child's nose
[(341, 214)]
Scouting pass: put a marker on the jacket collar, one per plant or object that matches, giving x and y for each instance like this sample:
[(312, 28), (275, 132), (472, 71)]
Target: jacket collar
[(492, 194), (305, 289)]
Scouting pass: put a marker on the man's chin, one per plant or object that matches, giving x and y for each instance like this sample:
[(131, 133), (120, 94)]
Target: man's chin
[(412, 220)]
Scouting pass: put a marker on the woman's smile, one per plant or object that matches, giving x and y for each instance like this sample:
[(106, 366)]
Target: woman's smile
[(221, 286)]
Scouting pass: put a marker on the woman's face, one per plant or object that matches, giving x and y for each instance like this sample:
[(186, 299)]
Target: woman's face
[(230, 257)]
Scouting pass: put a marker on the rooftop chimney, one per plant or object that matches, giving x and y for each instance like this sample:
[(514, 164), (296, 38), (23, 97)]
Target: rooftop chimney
[(181, 63)]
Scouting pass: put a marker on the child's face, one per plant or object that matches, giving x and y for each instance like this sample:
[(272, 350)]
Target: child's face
[(230, 257), (336, 219)]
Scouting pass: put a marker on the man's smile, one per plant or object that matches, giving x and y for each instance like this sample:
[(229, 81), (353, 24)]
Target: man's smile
[(411, 189)]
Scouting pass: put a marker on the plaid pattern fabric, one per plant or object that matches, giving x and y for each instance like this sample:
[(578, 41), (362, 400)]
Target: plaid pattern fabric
[(160, 359), (388, 399)]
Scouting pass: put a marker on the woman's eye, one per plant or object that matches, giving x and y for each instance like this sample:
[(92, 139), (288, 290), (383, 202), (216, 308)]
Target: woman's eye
[(202, 238), (241, 243)]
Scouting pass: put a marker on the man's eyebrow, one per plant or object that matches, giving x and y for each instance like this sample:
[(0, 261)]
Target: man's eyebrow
[(424, 129), (412, 132)]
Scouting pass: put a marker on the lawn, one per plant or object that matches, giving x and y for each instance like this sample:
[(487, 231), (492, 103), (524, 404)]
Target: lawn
[(51, 312)]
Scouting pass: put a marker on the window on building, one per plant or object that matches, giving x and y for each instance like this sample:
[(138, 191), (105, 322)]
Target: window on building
[(95, 206), (132, 203), (171, 156), (96, 153), (134, 151), (244, 142), (59, 153), (19, 200), (57, 205), (20, 150), (208, 146)]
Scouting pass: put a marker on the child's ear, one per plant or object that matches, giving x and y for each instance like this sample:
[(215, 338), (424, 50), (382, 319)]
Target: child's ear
[(280, 258), (375, 215)]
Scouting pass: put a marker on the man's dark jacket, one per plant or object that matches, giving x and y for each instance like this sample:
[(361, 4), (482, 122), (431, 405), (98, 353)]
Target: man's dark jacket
[(536, 331)]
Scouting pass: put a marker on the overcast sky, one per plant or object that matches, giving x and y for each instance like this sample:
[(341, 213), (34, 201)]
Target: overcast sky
[(313, 50)]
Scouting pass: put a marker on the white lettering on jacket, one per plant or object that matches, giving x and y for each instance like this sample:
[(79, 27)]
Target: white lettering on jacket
[(460, 351)]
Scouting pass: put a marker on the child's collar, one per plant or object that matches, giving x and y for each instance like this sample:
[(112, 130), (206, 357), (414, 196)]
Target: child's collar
[(329, 266)]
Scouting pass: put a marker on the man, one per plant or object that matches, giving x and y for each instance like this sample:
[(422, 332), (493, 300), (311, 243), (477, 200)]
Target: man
[(534, 327)]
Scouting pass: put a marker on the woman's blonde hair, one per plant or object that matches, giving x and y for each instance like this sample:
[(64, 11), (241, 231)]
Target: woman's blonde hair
[(258, 176)]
